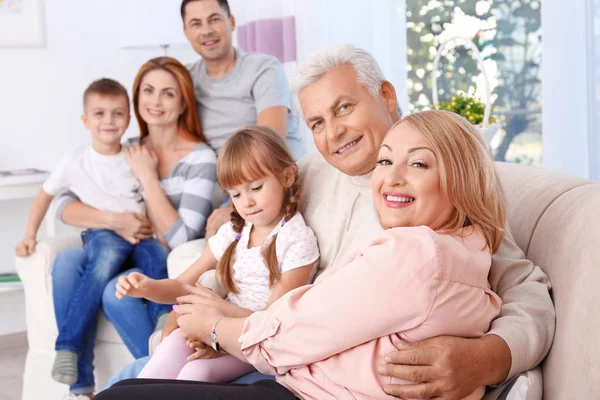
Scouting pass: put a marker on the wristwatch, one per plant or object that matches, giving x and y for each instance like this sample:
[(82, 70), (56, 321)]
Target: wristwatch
[(214, 343)]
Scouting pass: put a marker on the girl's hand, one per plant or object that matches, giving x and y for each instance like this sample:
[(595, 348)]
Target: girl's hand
[(133, 285), (202, 351), (142, 161), (25, 248), (201, 295)]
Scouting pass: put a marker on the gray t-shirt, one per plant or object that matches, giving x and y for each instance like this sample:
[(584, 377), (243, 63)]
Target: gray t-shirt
[(233, 101)]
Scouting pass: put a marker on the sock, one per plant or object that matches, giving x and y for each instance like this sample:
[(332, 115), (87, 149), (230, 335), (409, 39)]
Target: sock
[(64, 369), (161, 321)]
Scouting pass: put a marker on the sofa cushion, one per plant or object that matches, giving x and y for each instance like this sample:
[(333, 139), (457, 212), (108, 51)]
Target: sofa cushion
[(529, 192), (565, 244), (105, 331)]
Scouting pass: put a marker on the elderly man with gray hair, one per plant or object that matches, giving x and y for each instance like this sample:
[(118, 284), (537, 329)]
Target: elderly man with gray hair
[(349, 106)]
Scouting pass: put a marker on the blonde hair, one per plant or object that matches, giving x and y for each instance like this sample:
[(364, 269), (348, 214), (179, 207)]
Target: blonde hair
[(468, 177), (250, 154)]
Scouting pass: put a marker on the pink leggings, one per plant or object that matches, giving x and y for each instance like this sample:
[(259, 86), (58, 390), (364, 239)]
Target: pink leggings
[(170, 362)]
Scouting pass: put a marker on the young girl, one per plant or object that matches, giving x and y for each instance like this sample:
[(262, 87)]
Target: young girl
[(264, 252)]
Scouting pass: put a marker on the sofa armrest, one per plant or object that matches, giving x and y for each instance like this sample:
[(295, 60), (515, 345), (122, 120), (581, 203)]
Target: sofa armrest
[(35, 272), (38, 266), (184, 255)]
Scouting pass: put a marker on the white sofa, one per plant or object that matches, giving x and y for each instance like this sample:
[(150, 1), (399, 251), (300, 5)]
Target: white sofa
[(111, 355), (554, 219)]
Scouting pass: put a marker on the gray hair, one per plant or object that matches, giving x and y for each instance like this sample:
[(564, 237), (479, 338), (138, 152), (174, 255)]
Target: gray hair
[(319, 63)]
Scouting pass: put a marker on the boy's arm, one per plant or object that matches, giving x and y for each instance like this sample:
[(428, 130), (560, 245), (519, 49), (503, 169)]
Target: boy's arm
[(41, 203), (129, 225)]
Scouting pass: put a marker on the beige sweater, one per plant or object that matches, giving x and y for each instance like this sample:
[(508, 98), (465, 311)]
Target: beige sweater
[(339, 209)]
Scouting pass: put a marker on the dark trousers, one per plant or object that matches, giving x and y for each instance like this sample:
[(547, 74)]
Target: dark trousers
[(165, 389)]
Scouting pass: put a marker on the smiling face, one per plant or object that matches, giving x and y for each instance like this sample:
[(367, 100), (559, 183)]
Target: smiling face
[(160, 100), (260, 201), (208, 29), (347, 122), (406, 182), (106, 117)]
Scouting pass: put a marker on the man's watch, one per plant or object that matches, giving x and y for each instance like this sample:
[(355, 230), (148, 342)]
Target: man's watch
[(214, 343)]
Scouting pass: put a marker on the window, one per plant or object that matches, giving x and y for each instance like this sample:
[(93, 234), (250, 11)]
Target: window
[(509, 37)]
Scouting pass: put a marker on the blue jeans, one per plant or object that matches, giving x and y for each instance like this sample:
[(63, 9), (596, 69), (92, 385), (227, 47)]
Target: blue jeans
[(133, 369), (131, 317), (79, 278)]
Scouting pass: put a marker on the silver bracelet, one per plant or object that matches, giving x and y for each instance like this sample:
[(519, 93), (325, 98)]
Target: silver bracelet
[(213, 335)]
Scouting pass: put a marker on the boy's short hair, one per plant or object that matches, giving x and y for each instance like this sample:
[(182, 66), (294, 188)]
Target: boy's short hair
[(107, 87), (222, 3)]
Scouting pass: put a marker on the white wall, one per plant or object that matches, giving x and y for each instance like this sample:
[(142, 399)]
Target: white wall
[(41, 88), (40, 93)]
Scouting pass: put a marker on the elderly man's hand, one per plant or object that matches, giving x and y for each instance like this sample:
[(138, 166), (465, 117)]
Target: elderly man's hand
[(217, 218), (447, 367)]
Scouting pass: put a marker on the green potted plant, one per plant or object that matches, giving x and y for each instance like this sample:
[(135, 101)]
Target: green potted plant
[(473, 110), (467, 106)]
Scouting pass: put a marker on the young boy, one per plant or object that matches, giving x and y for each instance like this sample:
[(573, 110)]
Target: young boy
[(101, 177)]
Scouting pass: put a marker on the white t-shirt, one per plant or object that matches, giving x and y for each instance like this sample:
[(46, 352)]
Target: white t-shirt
[(103, 182), (296, 246)]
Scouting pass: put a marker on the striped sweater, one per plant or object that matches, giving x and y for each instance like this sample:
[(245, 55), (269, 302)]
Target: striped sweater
[(189, 188)]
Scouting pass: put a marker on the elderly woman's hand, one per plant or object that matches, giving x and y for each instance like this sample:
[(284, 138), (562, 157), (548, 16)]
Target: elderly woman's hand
[(142, 161), (201, 295), (196, 321)]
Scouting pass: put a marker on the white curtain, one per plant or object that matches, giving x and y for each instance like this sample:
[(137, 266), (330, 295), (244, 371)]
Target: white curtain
[(570, 124)]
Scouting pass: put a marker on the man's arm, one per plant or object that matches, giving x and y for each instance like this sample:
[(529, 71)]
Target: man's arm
[(272, 97), (527, 320), (275, 118)]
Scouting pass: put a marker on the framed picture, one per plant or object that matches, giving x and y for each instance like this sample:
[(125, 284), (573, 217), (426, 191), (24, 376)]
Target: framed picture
[(21, 23)]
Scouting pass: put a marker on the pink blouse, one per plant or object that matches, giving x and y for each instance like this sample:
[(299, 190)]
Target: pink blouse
[(326, 340)]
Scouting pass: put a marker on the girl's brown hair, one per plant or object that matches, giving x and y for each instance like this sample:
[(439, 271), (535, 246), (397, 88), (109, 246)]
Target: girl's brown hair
[(188, 124), (250, 154), (468, 177)]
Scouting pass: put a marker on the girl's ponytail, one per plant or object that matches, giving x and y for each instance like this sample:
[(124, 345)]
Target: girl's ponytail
[(290, 207), (225, 264)]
